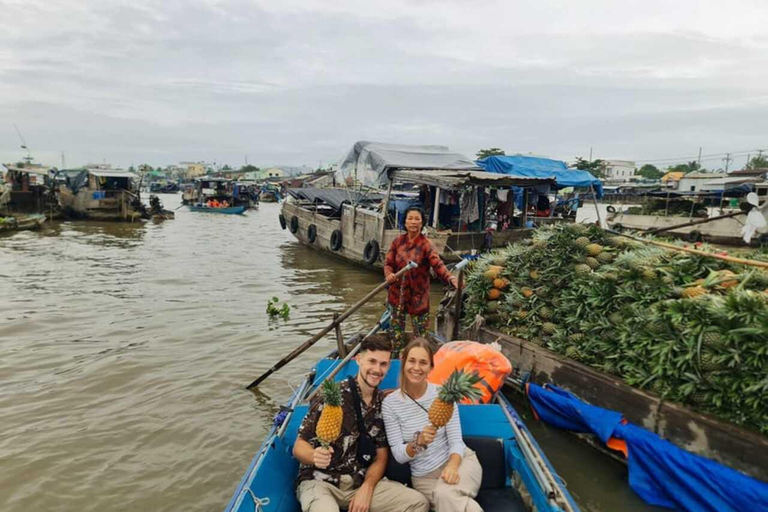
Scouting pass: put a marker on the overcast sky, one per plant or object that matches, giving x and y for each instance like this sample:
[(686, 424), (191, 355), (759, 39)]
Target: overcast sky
[(298, 82)]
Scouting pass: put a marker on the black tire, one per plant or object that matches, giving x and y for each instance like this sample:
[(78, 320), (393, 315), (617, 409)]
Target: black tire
[(763, 240), (336, 240), (695, 236), (371, 252), (294, 224), (610, 209), (618, 227), (282, 221), (312, 233)]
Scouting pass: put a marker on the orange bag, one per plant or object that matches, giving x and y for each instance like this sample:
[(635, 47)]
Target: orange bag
[(472, 356)]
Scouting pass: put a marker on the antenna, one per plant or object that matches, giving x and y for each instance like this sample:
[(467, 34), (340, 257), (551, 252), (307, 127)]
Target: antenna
[(27, 158)]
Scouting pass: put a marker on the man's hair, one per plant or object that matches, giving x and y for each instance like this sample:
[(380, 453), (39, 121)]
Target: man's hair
[(374, 342)]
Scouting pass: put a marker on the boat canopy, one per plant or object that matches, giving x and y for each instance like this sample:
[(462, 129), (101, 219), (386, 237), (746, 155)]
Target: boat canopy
[(112, 173), (536, 167), (334, 197), (369, 161), (32, 169), (458, 179)]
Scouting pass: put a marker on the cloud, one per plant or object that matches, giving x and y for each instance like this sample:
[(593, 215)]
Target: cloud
[(296, 82)]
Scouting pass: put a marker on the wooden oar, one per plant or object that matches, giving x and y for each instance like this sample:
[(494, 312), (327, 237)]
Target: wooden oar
[(730, 259), (457, 308), (694, 223), (314, 339)]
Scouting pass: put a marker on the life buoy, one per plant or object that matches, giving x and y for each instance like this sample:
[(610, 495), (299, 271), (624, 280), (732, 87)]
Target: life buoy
[(371, 252), (610, 209), (282, 221), (294, 224), (312, 233), (695, 236), (336, 240)]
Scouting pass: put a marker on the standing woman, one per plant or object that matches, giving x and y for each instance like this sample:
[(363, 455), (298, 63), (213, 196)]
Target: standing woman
[(410, 294)]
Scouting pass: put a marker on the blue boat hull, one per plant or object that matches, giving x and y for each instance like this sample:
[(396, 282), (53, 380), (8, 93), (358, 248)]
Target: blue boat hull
[(269, 480), (232, 210)]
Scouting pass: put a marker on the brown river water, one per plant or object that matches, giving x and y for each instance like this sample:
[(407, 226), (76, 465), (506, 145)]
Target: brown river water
[(125, 350)]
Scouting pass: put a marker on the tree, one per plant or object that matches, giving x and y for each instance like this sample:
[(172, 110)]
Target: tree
[(595, 167), (249, 168), (692, 166), (758, 162), (650, 172), (485, 153), (226, 168)]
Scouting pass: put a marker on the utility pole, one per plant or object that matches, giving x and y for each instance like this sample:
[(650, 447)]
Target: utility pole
[(727, 161), (699, 160), (590, 153), (63, 165)]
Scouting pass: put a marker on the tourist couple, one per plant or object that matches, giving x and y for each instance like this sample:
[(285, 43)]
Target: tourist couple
[(445, 474)]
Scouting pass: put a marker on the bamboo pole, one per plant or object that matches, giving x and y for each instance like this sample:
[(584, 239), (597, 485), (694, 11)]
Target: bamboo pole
[(730, 259), (314, 339), (694, 223)]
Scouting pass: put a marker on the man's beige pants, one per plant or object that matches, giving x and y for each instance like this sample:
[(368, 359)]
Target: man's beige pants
[(388, 496), (453, 498)]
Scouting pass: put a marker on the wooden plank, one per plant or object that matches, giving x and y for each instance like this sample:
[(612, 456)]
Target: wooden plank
[(339, 338)]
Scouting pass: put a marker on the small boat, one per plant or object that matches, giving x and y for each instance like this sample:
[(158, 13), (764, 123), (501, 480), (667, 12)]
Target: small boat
[(157, 212), (230, 210), (21, 222), (516, 473)]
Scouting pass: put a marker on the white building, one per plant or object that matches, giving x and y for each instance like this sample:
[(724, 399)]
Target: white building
[(695, 181), (619, 170)]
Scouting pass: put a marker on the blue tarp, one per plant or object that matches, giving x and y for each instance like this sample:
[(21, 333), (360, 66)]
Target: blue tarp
[(534, 167), (660, 472)]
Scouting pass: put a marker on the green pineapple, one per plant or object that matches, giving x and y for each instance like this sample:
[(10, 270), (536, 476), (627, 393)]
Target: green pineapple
[(458, 386), (605, 257), (593, 263), (582, 242), (708, 363), (573, 353), (594, 249), (548, 328), (712, 339), (576, 337), (545, 313), (581, 268), (649, 274), (615, 318)]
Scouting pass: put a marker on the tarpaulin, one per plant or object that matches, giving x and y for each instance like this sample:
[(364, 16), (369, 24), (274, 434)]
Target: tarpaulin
[(534, 167), (660, 472)]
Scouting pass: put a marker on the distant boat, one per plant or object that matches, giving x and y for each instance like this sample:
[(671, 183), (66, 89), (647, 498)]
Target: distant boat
[(21, 222), (101, 194), (230, 210)]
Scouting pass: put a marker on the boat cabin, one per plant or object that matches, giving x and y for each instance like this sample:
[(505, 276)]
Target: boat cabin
[(101, 194), (30, 186)]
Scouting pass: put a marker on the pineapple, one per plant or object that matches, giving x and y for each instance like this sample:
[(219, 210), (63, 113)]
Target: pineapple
[(527, 292), (521, 314), (615, 318), (707, 363), (576, 337), (669, 280), (594, 249), (545, 313), (579, 228), (649, 274), (548, 328), (593, 263), (611, 277), (458, 386), (711, 339), (582, 242), (492, 307), (329, 425), (693, 292), (573, 353), (604, 257), (534, 275), (582, 268)]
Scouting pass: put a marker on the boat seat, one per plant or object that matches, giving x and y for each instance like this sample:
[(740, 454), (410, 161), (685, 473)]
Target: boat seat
[(494, 494)]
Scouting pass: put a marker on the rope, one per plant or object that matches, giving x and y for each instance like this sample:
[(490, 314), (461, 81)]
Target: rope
[(258, 503)]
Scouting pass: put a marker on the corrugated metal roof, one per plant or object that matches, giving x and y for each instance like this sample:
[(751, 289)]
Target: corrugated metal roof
[(112, 173), (460, 178)]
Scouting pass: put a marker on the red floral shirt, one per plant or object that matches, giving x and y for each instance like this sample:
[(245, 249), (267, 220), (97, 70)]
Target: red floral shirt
[(416, 289)]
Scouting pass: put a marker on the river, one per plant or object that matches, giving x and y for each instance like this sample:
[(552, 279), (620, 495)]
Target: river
[(126, 349)]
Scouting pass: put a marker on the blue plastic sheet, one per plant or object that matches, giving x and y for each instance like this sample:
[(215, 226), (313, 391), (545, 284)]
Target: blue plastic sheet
[(660, 472), (534, 167)]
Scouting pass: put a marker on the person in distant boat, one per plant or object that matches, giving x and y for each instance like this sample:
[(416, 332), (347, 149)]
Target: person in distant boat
[(215, 203), (224, 204), (348, 474), (210, 203), (410, 294), (442, 467)]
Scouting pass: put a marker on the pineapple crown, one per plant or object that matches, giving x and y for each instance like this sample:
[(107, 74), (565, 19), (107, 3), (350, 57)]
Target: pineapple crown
[(459, 385), (331, 392)]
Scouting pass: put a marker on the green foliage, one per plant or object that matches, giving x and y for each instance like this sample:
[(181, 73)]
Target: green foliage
[(758, 162), (596, 167), (484, 153), (274, 311), (692, 166), (624, 316), (650, 172)]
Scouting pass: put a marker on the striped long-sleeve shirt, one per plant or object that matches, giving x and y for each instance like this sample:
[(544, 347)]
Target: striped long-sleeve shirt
[(403, 418)]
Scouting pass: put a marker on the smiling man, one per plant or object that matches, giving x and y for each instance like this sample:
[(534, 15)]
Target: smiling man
[(349, 473)]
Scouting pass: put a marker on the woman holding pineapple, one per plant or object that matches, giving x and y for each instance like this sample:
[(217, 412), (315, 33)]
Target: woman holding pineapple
[(410, 293), (423, 429)]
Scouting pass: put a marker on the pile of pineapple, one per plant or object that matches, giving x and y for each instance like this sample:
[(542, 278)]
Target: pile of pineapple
[(690, 328)]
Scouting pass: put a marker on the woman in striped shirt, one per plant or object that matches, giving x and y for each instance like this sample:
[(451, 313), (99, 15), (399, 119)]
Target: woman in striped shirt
[(442, 467)]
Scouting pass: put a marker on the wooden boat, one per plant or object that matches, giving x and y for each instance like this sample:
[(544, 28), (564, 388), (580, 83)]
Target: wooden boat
[(22, 222), (359, 225), (30, 189), (231, 210), (725, 231), (516, 473), (101, 194), (208, 188), (157, 212), (699, 433)]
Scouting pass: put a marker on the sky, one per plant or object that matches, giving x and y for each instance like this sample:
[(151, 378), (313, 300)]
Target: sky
[(298, 82)]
